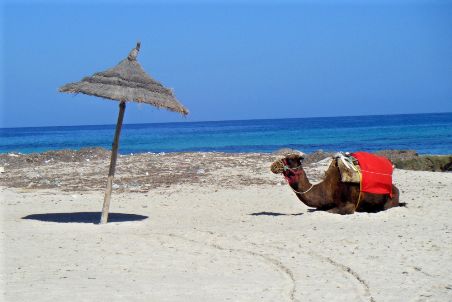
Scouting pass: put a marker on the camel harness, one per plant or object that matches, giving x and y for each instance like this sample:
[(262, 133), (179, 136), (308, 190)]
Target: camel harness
[(294, 178)]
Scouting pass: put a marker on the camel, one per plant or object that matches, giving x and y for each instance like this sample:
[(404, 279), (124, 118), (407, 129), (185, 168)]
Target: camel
[(331, 194)]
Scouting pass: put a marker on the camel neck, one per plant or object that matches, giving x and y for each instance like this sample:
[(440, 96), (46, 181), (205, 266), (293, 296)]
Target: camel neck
[(303, 184), (311, 198)]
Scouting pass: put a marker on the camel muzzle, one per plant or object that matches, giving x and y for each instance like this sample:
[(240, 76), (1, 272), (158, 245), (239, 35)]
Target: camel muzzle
[(277, 167)]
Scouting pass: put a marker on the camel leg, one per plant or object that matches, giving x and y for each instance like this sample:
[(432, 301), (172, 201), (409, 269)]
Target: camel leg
[(347, 208), (334, 210), (394, 201), (390, 203)]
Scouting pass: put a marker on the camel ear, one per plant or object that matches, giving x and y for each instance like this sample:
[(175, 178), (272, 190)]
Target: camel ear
[(302, 156)]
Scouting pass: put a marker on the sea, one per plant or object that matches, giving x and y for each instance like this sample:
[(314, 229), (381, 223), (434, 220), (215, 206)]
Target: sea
[(425, 133)]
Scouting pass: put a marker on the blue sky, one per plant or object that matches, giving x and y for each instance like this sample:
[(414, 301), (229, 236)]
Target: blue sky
[(229, 60)]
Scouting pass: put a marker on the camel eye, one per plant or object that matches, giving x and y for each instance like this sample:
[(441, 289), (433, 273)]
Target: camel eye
[(294, 162)]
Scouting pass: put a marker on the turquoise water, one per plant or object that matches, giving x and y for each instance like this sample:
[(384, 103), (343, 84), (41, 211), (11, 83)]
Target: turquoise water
[(426, 133)]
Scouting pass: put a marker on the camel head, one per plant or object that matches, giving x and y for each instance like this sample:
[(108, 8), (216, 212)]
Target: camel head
[(290, 161)]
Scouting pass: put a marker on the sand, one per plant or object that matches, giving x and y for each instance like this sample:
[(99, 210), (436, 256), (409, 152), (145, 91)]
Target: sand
[(233, 232)]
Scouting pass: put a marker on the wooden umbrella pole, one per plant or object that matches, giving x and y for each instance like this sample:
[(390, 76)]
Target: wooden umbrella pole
[(114, 155)]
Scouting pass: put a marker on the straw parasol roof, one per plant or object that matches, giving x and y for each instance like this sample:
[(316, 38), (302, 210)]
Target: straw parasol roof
[(127, 81)]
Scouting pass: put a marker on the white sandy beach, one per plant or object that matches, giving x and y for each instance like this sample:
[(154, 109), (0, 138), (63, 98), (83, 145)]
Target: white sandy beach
[(209, 242)]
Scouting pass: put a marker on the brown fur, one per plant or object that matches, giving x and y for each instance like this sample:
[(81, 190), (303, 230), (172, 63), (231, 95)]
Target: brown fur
[(332, 195)]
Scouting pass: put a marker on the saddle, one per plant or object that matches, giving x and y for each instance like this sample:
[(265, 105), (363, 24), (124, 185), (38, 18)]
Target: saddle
[(348, 168), (372, 172)]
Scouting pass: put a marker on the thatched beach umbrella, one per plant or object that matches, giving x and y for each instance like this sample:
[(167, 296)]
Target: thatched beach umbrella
[(125, 82)]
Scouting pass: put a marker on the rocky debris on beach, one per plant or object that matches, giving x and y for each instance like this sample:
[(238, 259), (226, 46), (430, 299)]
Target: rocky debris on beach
[(285, 152), (309, 158), (317, 156), (86, 169), (398, 155), (19, 160), (435, 163), (411, 160)]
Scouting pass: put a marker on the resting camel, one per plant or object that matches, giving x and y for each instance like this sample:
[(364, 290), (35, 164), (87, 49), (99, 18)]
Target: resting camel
[(331, 194)]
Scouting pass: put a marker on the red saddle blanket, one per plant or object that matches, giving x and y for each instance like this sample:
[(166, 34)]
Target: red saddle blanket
[(376, 173)]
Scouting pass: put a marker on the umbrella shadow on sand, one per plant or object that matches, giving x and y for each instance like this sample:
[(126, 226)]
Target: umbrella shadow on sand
[(84, 217)]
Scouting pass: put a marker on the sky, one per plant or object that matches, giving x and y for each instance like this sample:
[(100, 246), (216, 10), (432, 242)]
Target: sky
[(228, 60)]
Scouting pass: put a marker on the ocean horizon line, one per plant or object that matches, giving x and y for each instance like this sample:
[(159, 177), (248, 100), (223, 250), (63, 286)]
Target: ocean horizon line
[(231, 120)]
